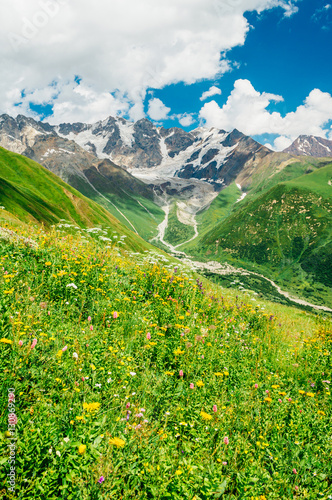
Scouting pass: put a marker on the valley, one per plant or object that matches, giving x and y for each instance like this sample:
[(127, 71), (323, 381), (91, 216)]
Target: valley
[(202, 194)]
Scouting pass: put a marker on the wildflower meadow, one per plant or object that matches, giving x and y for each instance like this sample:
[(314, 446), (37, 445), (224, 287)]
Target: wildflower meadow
[(129, 377)]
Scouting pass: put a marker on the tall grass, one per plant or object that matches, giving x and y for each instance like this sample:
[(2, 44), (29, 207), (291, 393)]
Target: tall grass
[(134, 380)]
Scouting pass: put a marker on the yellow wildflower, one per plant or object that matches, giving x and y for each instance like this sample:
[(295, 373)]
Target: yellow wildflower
[(200, 383), (118, 442), (6, 341), (82, 449), (206, 416), (91, 406)]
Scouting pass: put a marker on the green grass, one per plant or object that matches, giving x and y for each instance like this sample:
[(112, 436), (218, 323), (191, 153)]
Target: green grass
[(284, 233), (145, 219), (139, 404), (32, 193), (177, 232)]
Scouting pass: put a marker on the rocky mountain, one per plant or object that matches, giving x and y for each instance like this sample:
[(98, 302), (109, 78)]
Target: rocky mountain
[(309, 145), (125, 196), (141, 148), (211, 155)]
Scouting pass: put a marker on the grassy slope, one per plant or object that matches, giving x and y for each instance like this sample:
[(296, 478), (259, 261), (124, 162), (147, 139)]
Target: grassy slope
[(121, 193), (284, 230), (219, 209), (176, 231), (32, 193), (170, 437)]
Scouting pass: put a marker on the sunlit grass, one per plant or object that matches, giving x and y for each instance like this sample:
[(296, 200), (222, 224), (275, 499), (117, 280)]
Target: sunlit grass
[(136, 380)]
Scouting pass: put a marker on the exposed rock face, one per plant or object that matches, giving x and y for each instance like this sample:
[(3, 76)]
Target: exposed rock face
[(210, 155), (309, 145), (219, 156)]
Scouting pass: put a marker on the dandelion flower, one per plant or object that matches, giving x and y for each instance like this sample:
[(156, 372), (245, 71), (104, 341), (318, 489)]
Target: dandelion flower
[(82, 449), (206, 416), (7, 341), (118, 442)]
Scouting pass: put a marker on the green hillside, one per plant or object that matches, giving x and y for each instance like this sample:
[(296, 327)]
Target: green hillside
[(32, 193), (286, 231), (128, 380), (124, 196)]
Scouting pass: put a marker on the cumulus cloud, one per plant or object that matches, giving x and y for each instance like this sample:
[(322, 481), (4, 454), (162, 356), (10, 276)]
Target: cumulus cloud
[(211, 92), (282, 143), (119, 49), (157, 109), (246, 110), (186, 119)]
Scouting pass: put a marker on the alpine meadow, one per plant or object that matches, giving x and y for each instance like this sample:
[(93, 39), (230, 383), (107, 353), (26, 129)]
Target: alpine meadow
[(165, 250)]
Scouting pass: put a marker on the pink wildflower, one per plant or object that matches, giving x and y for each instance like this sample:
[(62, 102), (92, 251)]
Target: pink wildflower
[(181, 373), (128, 405), (224, 463), (115, 315), (64, 348), (148, 335), (226, 440), (215, 408), (256, 386), (280, 401), (34, 343), (192, 386), (89, 318), (20, 343), (295, 471), (91, 327)]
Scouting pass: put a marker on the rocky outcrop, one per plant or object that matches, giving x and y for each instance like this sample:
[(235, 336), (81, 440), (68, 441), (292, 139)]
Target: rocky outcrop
[(309, 145)]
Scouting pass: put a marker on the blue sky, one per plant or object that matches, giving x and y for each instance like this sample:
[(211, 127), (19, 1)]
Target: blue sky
[(269, 67), (287, 56)]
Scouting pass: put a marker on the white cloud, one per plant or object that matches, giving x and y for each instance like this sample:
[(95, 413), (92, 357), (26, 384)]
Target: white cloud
[(157, 109), (186, 119), (118, 48), (246, 110), (209, 93), (282, 143)]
